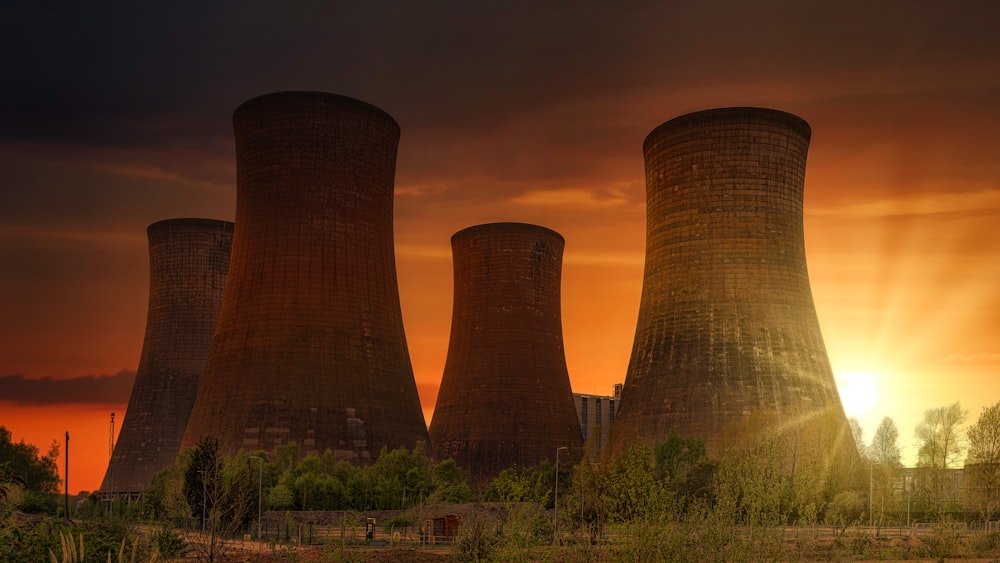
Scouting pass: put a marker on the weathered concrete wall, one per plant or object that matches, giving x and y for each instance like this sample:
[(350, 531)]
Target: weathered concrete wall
[(188, 261), (505, 397), (310, 345)]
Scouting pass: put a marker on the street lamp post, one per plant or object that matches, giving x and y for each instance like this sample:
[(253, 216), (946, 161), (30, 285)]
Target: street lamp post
[(555, 517), (66, 487), (260, 495)]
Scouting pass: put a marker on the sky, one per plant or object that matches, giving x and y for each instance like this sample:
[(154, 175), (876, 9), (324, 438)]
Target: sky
[(116, 115)]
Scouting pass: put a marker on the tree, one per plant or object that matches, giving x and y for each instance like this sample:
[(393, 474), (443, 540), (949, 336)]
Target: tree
[(201, 479), (982, 468), (884, 472), (22, 465), (941, 446), (858, 434), (941, 438), (884, 449)]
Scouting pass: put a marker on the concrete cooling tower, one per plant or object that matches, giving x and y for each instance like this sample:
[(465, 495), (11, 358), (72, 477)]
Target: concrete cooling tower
[(727, 328), (310, 345), (188, 260), (505, 397)]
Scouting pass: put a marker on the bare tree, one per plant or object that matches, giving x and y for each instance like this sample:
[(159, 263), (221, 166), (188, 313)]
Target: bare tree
[(982, 468), (942, 445), (858, 433), (940, 435), (884, 472)]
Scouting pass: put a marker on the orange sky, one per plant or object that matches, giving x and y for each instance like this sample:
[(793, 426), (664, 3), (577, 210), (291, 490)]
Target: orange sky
[(508, 115)]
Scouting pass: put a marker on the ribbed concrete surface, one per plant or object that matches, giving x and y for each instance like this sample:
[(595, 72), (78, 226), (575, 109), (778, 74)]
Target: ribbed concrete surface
[(188, 261), (727, 328), (505, 397), (310, 344)]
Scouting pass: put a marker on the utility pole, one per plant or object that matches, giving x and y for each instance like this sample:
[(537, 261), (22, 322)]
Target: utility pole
[(66, 484), (555, 517), (111, 455)]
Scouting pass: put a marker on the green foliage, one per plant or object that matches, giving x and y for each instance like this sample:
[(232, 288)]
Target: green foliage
[(982, 468), (448, 485), (476, 538), (26, 540), (23, 467), (72, 551), (630, 486), (31, 539), (940, 437), (165, 497), (281, 497), (523, 484), (201, 477), (168, 543), (847, 508)]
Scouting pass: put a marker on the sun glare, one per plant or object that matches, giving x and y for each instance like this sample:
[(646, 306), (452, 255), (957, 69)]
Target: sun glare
[(857, 392)]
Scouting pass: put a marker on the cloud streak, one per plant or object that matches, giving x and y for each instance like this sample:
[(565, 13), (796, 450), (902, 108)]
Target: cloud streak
[(88, 389)]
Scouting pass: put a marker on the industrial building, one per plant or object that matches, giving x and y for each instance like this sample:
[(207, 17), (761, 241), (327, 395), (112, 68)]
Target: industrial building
[(727, 330), (310, 344), (505, 398), (596, 413), (188, 261)]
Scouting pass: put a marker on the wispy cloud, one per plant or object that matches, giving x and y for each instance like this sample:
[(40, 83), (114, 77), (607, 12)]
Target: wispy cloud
[(573, 197), (76, 235), (88, 389), (965, 359), (917, 204), (424, 251)]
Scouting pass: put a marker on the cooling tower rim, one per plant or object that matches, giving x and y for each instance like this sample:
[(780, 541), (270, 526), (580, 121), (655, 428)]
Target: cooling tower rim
[(191, 222), (316, 97), (505, 227), (687, 120)]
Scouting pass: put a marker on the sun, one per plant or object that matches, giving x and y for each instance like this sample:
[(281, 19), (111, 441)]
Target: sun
[(857, 392)]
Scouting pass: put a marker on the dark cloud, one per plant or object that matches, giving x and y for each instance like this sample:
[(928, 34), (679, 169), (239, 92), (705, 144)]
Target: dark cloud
[(122, 74), (88, 389)]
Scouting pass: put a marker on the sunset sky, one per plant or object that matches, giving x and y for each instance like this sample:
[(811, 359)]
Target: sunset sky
[(112, 118)]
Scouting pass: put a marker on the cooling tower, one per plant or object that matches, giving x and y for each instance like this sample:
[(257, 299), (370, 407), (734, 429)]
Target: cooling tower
[(727, 329), (505, 398), (188, 260), (310, 345)]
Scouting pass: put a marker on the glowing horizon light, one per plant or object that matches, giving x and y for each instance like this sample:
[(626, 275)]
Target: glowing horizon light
[(858, 392)]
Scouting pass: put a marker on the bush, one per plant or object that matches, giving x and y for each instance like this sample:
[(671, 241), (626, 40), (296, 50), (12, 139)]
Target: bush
[(168, 543), (476, 538)]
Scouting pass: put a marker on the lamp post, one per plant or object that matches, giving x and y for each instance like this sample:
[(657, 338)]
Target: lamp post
[(260, 495), (555, 517), (66, 487), (111, 476)]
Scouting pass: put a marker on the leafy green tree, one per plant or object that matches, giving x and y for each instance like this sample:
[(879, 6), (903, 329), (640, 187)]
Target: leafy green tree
[(523, 484), (632, 491), (982, 468), (281, 497), (22, 465), (682, 464), (448, 485), (238, 492), (165, 497), (401, 477), (201, 478)]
